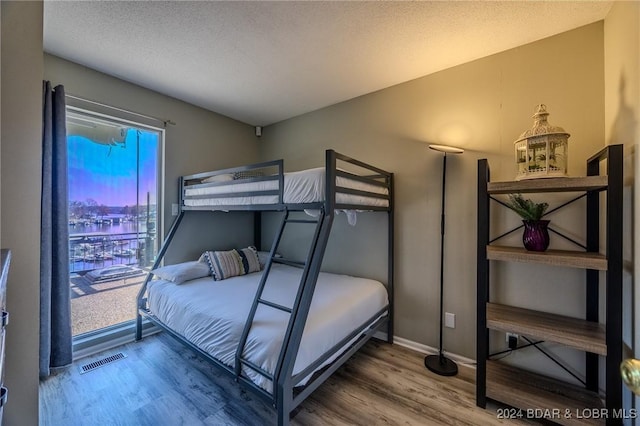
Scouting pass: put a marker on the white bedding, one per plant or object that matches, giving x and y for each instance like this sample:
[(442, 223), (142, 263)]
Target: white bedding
[(211, 314), (306, 186)]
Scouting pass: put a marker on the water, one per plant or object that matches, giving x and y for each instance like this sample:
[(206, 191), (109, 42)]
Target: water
[(117, 228), (94, 246)]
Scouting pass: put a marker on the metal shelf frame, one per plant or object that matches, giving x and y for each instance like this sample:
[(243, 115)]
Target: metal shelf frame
[(593, 185)]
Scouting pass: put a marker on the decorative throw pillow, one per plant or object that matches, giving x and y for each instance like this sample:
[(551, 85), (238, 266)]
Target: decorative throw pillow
[(250, 261), (248, 174), (231, 263), (223, 264), (181, 272)]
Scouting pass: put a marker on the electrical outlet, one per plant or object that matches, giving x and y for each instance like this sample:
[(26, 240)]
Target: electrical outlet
[(449, 320), (174, 209), (511, 335), (512, 340)]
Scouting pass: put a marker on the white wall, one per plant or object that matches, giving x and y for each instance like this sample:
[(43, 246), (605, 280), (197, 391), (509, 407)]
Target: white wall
[(21, 140)]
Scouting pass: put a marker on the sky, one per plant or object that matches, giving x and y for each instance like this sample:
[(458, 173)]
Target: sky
[(107, 174)]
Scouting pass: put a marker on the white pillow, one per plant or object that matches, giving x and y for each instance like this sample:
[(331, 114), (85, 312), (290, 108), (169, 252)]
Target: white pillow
[(181, 272), (219, 178)]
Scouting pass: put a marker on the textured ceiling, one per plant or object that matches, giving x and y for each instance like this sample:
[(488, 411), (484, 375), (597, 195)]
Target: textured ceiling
[(262, 62)]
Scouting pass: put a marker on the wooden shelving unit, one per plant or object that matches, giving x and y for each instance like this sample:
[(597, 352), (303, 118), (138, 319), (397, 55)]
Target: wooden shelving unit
[(599, 338), (571, 259), (568, 184), (573, 332), (563, 401)]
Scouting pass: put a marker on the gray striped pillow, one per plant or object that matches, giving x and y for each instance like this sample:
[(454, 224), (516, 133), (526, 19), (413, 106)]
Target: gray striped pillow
[(231, 263), (248, 174), (250, 260)]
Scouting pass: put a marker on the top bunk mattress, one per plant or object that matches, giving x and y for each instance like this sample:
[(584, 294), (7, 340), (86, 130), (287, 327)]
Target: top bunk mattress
[(211, 314), (306, 186)]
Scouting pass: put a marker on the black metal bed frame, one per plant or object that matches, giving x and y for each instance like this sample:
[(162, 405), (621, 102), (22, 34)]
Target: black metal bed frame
[(287, 394)]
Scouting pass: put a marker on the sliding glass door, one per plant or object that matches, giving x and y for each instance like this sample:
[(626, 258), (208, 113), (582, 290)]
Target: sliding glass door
[(114, 192)]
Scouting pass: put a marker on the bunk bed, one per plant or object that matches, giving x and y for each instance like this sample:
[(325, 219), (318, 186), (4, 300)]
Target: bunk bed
[(284, 330)]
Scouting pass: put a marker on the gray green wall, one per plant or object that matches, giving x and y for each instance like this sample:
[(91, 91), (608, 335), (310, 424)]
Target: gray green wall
[(482, 106), (622, 118), (20, 147), (200, 140)]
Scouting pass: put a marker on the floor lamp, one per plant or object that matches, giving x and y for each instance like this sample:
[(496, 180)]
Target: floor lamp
[(440, 364)]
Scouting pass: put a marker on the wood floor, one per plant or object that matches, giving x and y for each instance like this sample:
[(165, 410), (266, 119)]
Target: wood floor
[(162, 383)]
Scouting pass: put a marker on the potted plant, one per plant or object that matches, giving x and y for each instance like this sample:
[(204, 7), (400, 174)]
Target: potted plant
[(536, 233)]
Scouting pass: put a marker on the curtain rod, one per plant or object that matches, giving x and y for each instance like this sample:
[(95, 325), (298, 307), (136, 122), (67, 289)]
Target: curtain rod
[(161, 120)]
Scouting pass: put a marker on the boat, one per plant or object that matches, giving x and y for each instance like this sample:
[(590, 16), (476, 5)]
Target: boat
[(103, 255), (125, 253)]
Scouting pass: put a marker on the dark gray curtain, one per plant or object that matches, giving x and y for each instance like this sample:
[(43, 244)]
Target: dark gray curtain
[(55, 302)]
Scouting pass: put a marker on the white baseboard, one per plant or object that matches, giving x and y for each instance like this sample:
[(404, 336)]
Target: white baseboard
[(425, 349), (428, 350)]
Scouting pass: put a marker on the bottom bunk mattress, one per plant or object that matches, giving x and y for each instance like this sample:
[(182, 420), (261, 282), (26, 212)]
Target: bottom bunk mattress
[(211, 314)]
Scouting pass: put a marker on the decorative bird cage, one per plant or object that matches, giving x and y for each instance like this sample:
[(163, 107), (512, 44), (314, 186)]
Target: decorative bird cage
[(541, 151)]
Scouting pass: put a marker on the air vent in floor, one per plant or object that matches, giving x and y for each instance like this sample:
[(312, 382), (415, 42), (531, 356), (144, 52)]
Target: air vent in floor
[(101, 362)]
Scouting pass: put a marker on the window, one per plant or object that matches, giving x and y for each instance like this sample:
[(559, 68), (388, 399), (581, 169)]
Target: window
[(114, 193)]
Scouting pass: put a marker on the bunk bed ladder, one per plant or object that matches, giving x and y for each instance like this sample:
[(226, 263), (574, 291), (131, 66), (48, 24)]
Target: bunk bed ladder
[(258, 300)]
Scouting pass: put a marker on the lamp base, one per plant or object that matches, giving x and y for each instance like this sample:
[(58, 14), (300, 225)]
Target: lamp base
[(441, 365)]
